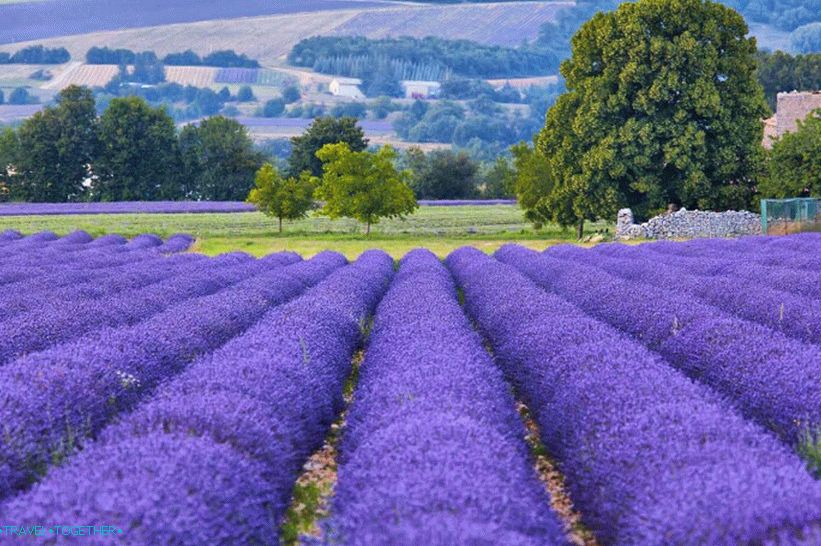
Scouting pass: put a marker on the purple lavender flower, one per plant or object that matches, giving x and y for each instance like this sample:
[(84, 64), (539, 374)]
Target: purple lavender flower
[(432, 435), (649, 456)]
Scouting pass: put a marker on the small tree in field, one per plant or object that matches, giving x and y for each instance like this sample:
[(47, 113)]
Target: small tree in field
[(283, 198), (363, 185)]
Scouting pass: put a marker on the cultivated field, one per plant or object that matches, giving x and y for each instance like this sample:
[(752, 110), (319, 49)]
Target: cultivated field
[(51, 18), (442, 229), (616, 395), (270, 38)]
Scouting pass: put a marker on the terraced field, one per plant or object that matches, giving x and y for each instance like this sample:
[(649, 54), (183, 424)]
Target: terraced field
[(615, 395)]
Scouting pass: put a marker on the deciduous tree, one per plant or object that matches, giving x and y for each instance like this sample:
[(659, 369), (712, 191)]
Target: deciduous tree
[(219, 160), (322, 131), (363, 185), (662, 107), (795, 162), (283, 198), (139, 155)]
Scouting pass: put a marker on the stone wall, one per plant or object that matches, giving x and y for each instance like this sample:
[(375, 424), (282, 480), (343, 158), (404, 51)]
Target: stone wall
[(794, 106), (689, 224)]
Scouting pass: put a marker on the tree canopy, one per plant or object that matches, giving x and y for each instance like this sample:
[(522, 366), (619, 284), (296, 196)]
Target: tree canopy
[(219, 160), (139, 158), (795, 162), (363, 185), (325, 130), (283, 198), (662, 107)]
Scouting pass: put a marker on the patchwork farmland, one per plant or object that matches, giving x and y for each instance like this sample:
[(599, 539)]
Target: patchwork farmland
[(617, 395), (269, 38)]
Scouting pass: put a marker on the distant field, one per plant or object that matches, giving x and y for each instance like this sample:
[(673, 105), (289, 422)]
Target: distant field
[(270, 38), (440, 228), (22, 21)]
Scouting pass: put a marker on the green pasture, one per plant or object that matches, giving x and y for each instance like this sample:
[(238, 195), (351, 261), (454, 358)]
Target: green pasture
[(441, 229)]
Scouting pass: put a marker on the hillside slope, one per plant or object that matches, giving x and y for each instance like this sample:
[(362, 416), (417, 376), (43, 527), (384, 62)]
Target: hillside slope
[(270, 38)]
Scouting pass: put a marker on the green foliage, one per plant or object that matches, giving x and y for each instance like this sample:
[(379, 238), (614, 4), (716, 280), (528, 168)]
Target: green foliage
[(283, 198), (498, 179), (325, 130), (807, 38), (352, 109), (363, 185), (382, 81), (809, 448), (419, 58), (9, 150), (302, 513), (661, 108), (273, 108), (56, 147), (140, 158), (246, 94), (532, 183), (443, 174), (291, 94), (20, 95), (37, 54), (795, 162), (781, 71), (219, 160)]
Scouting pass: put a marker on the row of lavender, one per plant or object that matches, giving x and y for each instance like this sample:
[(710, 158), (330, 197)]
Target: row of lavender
[(650, 456), (433, 450), (182, 207), (213, 456)]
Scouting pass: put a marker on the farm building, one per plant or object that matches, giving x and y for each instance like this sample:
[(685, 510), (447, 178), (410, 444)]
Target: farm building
[(417, 89), (790, 108), (346, 87)]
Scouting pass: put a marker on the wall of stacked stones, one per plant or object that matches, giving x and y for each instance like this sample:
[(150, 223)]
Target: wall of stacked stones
[(688, 224)]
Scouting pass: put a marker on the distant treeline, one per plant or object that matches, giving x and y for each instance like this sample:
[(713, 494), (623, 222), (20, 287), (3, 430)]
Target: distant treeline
[(354, 55), (131, 151), (36, 54), (780, 71), (223, 59)]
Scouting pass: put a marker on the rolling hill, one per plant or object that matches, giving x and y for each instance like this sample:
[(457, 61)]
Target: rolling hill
[(269, 38)]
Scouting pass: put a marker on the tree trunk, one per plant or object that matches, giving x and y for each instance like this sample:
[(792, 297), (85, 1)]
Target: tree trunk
[(580, 229), (280, 224), (368, 227)]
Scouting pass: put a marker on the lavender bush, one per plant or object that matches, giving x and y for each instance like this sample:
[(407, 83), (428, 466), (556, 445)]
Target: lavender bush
[(431, 411), (244, 419), (773, 379), (788, 313), (46, 415), (649, 456)]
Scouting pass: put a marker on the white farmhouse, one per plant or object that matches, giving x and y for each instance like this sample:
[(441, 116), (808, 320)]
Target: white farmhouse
[(417, 89), (346, 87)]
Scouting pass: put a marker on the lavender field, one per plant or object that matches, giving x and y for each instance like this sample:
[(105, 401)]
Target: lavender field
[(665, 393), (37, 19)]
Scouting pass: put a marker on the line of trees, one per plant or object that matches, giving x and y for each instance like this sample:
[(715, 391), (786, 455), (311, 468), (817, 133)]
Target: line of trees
[(132, 151), (36, 54), (356, 56), (227, 58)]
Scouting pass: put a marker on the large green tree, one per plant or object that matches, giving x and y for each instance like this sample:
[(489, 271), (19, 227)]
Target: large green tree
[(283, 198), (139, 154), (795, 162), (9, 149), (56, 149), (219, 160), (662, 107), (325, 130), (445, 175), (363, 185)]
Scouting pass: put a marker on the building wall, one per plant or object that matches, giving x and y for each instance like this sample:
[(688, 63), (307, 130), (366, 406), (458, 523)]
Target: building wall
[(794, 106)]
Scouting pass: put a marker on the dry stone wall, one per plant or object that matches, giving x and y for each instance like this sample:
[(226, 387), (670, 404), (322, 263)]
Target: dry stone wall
[(689, 224)]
